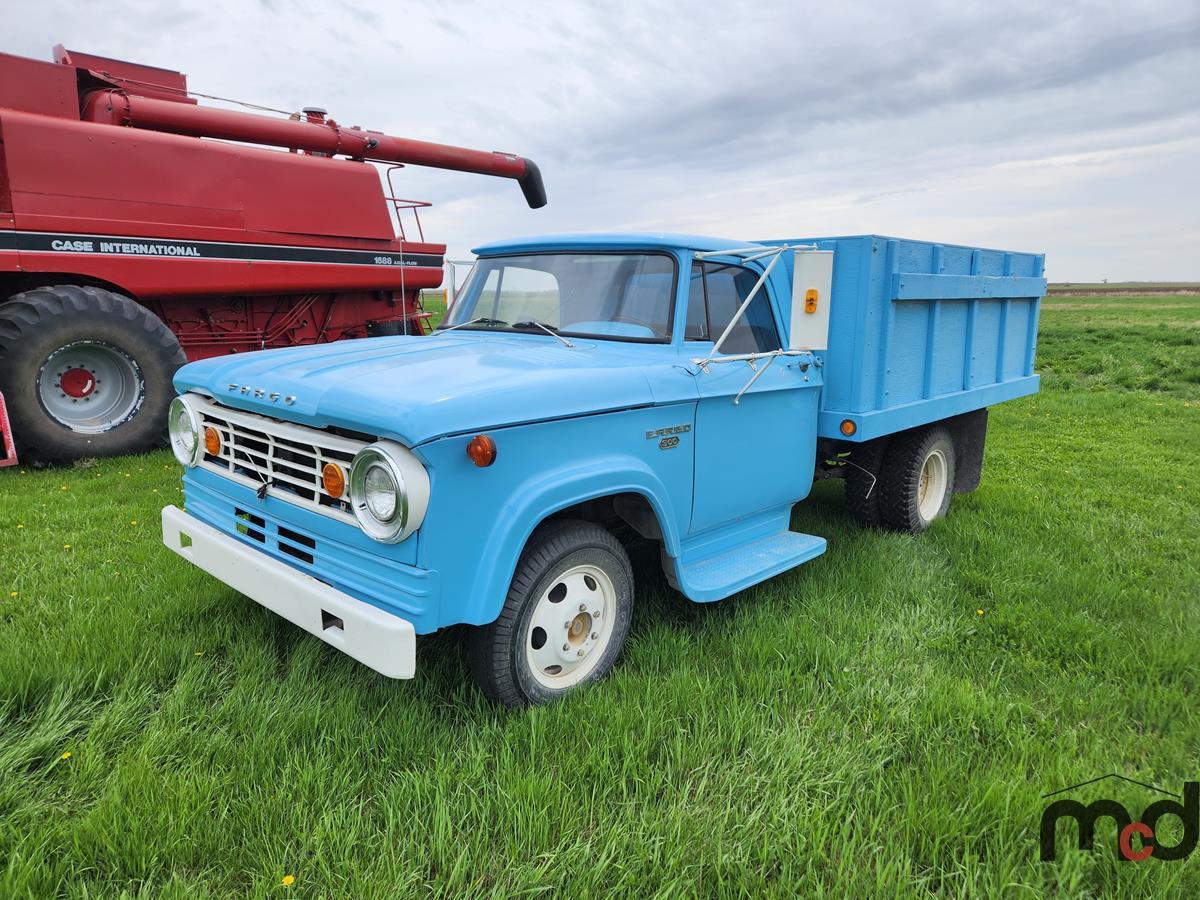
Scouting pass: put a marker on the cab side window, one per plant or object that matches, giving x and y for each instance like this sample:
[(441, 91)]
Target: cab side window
[(716, 293)]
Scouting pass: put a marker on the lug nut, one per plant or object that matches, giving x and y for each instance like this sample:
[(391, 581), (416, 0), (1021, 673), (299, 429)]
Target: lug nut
[(579, 653), (583, 607), (595, 634), (566, 647)]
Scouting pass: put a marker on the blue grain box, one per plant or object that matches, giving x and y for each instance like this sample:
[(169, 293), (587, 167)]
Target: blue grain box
[(921, 331)]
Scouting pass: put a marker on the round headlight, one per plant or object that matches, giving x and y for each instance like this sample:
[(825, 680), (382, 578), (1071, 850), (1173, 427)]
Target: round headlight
[(389, 491), (381, 492), (183, 424)]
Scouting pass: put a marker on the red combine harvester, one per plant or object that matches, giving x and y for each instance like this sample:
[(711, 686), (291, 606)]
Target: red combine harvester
[(135, 236)]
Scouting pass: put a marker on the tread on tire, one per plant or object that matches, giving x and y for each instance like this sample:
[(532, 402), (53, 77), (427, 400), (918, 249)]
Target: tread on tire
[(37, 323)]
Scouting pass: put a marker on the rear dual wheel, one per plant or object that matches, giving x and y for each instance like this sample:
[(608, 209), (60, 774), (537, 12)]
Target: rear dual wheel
[(85, 372), (917, 483), (905, 486)]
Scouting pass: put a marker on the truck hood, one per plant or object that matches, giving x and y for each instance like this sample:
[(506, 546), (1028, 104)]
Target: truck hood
[(415, 389)]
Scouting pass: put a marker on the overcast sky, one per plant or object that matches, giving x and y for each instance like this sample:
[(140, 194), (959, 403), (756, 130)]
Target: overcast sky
[(1069, 128)]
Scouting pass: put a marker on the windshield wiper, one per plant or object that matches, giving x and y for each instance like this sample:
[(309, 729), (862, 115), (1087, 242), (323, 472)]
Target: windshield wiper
[(549, 329), (478, 320)]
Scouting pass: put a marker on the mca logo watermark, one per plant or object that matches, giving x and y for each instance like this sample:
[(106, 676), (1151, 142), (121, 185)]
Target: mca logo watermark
[(1136, 840)]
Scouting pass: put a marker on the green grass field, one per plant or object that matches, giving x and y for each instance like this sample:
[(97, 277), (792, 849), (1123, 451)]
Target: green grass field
[(1127, 287), (883, 720)]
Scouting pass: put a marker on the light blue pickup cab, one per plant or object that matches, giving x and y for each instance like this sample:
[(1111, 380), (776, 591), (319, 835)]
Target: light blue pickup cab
[(582, 389)]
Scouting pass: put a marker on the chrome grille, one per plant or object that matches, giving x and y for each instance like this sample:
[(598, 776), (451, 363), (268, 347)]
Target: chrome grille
[(287, 458)]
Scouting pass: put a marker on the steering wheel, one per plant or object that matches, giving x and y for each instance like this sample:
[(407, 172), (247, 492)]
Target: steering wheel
[(633, 320)]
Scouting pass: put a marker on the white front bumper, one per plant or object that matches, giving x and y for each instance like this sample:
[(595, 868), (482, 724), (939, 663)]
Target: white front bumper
[(386, 643)]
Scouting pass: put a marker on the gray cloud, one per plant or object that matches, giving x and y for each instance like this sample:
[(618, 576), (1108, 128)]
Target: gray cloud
[(1072, 128)]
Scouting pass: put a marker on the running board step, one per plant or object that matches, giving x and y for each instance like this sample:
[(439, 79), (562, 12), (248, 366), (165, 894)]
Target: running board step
[(716, 577)]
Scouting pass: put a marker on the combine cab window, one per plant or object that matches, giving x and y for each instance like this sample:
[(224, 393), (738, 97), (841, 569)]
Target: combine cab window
[(619, 296), (717, 291)]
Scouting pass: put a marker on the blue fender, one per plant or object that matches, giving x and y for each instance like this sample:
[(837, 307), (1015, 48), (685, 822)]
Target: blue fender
[(539, 497)]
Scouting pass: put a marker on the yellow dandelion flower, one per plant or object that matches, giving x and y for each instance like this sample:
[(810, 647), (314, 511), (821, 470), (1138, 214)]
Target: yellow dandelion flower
[(133, 521), (66, 754), (12, 593), (288, 880), (199, 652), (66, 546), (19, 525), (979, 612)]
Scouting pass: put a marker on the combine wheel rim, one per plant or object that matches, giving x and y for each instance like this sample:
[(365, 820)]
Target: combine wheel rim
[(90, 387)]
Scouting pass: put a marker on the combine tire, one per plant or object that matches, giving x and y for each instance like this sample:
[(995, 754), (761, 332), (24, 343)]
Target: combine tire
[(86, 372), (917, 481)]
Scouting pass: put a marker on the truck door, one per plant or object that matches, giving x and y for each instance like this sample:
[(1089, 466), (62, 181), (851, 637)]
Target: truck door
[(757, 453)]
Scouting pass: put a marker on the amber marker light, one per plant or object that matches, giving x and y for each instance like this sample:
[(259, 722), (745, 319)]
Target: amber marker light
[(212, 441), (848, 427), (482, 450), (334, 480)]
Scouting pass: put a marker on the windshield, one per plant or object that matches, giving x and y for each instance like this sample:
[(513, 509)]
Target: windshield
[(620, 296)]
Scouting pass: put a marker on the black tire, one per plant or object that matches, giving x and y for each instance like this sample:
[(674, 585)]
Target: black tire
[(49, 323), (900, 499), (498, 652), (862, 482)]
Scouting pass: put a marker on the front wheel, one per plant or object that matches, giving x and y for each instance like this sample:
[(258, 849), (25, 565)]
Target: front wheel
[(565, 618)]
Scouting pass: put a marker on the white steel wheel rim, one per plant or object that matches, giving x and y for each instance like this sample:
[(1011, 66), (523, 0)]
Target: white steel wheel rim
[(90, 387), (571, 627), (931, 487)]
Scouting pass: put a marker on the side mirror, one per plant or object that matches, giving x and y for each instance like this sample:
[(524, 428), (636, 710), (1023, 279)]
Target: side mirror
[(812, 282)]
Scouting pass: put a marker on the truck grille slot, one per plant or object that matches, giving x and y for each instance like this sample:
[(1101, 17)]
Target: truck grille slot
[(288, 458), (250, 525), (296, 545)]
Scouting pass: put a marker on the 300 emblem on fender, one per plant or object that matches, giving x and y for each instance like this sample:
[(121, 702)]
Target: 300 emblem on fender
[(673, 429), (668, 442)]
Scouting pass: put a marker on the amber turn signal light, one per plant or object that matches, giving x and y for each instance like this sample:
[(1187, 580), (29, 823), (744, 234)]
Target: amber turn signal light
[(212, 441), (810, 300), (848, 427), (482, 450), (334, 480)]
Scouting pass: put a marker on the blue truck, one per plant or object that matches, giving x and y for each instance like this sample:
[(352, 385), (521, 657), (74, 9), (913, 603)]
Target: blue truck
[(583, 391)]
